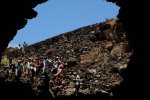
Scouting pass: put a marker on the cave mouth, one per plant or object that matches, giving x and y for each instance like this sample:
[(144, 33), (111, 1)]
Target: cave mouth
[(135, 84), (21, 87)]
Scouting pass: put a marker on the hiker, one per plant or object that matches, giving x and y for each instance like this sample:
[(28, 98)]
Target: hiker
[(61, 64), (25, 47), (77, 83), (45, 65), (19, 68), (43, 85), (54, 67), (12, 65), (25, 44), (33, 70), (59, 75), (20, 49), (46, 80), (13, 68), (38, 65), (25, 69), (6, 74), (29, 62)]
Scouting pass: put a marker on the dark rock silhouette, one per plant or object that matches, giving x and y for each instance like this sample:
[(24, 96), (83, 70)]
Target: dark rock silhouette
[(134, 17), (14, 16), (16, 90)]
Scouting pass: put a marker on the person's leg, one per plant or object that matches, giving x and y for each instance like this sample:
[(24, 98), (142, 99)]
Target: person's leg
[(43, 69)]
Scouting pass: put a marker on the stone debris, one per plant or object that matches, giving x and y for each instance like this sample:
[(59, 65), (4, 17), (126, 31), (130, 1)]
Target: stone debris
[(97, 53)]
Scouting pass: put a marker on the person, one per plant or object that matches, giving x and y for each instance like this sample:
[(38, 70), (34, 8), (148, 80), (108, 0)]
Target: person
[(19, 69), (20, 47), (21, 50), (12, 65), (33, 70), (25, 44), (61, 64), (29, 62), (43, 86), (59, 76), (46, 80), (6, 74), (45, 65), (25, 72), (77, 83), (38, 63), (54, 67)]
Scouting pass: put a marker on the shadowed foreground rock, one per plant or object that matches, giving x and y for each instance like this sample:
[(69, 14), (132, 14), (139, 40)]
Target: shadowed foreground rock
[(14, 90), (136, 76)]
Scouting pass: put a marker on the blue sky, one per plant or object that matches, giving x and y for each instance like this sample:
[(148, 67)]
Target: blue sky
[(58, 16)]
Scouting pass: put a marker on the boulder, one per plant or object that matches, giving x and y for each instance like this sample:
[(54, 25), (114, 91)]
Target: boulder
[(92, 71), (72, 61), (118, 50), (71, 84), (68, 91), (85, 91)]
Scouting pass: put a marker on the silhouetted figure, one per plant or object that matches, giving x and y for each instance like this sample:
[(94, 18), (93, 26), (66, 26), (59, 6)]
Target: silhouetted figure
[(45, 93), (25, 44)]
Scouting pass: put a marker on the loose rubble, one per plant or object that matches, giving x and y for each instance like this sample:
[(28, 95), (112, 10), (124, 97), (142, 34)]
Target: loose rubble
[(98, 53)]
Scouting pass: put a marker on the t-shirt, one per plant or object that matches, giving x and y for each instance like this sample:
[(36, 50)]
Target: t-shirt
[(20, 67)]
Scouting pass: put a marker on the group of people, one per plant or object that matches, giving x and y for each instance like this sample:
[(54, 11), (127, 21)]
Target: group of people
[(22, 48), (32, 68)]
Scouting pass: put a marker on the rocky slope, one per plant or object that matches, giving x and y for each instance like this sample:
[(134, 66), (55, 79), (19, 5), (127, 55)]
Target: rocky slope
[(98, 53)]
